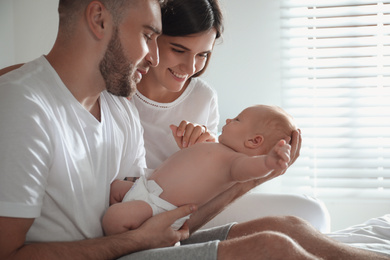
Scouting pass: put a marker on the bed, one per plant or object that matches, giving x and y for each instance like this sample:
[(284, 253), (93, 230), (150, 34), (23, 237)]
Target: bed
[(374, 234)]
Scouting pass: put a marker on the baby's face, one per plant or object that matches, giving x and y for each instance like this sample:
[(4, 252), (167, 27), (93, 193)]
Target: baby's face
[(269, 122), (236, 130)]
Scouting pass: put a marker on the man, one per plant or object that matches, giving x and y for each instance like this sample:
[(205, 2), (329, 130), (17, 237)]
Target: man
[(64, 138), (63, 135)]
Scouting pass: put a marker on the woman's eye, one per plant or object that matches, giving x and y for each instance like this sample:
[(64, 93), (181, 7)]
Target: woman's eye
[(203, 55)]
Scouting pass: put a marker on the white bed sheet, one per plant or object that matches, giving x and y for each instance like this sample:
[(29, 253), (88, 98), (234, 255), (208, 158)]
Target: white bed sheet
[(372, 235)]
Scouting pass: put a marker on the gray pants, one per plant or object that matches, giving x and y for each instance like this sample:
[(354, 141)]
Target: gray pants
[(201, 245)]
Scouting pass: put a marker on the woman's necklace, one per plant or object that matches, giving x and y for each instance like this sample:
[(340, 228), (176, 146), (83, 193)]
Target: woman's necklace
[(147, 102)]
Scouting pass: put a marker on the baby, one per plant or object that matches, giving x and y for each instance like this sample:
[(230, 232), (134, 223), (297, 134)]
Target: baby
[(250, 146)]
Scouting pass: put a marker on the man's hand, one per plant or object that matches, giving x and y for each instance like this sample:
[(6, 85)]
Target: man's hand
[(296, 142), (157, 230)]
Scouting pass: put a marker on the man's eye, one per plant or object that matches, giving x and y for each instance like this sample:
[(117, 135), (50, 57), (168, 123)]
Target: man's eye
[(148, 37), (177, 50)]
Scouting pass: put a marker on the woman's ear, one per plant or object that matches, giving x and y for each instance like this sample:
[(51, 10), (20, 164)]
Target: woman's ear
[(254, 142), (97, 18)]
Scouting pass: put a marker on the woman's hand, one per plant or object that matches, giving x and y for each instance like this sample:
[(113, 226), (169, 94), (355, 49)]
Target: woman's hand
[(187, 134)]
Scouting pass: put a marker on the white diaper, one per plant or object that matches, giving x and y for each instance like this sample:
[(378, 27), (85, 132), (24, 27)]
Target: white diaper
[(149, 191)]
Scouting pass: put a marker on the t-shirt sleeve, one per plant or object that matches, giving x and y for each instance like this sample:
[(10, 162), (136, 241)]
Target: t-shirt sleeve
[(24, 152), (138, 167), (133, 163)]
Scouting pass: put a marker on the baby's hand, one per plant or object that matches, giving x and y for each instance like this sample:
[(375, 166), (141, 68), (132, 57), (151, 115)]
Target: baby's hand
[(187, 134), (279, 157), (118, 190)]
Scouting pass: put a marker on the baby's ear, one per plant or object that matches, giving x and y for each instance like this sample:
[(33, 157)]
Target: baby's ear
[(254, 142)]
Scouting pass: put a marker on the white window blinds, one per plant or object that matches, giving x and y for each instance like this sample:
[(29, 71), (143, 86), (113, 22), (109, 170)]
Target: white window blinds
[(336, 83)]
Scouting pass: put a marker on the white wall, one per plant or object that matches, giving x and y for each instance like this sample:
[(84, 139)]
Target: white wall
[(244, 68), (27, 28), (6, 33)]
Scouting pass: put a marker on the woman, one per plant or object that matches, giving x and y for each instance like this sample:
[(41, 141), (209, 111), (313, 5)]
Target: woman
[(171, 92)]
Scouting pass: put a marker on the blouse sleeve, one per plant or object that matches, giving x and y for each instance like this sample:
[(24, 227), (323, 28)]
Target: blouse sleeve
[(213, 120)]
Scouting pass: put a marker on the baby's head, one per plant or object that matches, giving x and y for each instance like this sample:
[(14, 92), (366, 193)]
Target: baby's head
[(257, 129)]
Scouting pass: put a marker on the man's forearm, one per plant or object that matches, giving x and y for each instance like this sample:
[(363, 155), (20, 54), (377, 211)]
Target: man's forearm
[(218, 204), (111, 247)]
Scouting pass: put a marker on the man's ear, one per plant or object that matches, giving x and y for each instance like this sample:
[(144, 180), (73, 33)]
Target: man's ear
[(254, 142), (97, 15)]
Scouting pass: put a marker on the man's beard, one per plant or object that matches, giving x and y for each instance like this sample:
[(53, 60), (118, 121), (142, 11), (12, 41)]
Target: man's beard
[(117, 71)]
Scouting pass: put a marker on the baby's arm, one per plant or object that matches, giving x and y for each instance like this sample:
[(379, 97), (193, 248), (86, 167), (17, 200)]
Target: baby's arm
[(118, 190), (245, 168)]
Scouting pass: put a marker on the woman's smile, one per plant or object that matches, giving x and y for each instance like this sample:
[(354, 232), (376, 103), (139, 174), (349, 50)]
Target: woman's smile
[(177, 76)]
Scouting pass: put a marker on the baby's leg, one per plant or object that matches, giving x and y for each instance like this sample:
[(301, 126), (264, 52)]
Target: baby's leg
[(124, 216)]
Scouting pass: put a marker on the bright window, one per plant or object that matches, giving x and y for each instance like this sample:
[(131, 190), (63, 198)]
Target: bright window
[(336, 83)]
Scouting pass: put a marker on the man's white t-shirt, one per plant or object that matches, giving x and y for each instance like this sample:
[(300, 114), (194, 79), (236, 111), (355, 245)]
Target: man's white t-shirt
[(197, 104), (56, 160)]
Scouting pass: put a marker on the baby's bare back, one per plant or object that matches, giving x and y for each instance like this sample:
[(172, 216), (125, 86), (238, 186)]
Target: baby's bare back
[(195, 174)]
